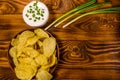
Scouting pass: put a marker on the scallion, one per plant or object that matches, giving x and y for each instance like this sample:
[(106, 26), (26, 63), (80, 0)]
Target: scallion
[(81, 11), (106, 10), (71, 11)]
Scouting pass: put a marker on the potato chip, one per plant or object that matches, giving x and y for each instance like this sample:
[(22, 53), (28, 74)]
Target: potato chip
[(22, 55), (13, 52), (27, 34), (22, 42), (41, 59), (49, 45), (32, 40), (24, 36), (52, 62), (38, 45), (21, 38), (43, 75), (44, 68), (27, 60), (30, 52), (15, 61), (19, 51), (15, 41), (41, 34), (40, 50), (25, 72)]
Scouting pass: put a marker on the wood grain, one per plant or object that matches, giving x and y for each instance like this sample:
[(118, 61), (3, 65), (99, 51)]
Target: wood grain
[(89, 48), (90, 54)]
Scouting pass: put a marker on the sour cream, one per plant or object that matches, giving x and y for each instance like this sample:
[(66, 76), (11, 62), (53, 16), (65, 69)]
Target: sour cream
[(35, 14)]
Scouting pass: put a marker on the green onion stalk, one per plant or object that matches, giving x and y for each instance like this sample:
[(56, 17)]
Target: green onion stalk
[(106, 10), (81, 11), (71, 11)]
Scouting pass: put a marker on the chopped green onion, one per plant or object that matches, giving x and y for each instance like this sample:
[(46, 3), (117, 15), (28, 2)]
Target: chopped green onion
[(71, 11), (30, 18), (37, 8), (38, 18), (35, 4), (42, 15), (26, 15), (82, 10), (33, 15), (28, 11), (35, 12), (38, 13), (35, 20), (30, 6), (106, 10), (43, 12)]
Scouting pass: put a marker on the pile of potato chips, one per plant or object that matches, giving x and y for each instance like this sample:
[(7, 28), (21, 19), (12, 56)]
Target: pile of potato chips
[(33, 53)]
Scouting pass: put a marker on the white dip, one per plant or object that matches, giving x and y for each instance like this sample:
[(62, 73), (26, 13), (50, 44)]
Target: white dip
[(35, 14)]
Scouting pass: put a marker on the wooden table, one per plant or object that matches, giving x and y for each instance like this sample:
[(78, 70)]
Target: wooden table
[(89, 48)]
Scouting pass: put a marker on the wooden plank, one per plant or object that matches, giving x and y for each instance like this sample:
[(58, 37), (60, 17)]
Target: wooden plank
[(102, 25), (55, 6), (89, 54), (83, 54), (7, 74), (84, 74), (83, 58)]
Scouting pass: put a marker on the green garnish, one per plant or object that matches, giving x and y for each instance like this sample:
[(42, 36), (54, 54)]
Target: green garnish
[(36, 7), (42, 11), (33, 15), (28, 11), (30, 6), (81, 9), (38, 13), (30, 18), (35, 4), (34, 12), (26, 15), (35, 20), (38, 18), (42, 15)]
